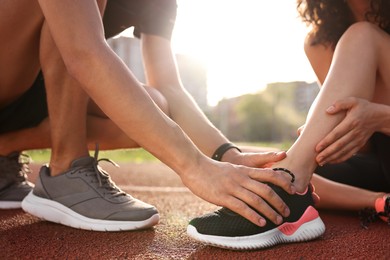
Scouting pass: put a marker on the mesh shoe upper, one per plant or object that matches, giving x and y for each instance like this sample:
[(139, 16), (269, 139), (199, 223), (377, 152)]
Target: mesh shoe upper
[(88, 190), (227, 223), (381, 210)]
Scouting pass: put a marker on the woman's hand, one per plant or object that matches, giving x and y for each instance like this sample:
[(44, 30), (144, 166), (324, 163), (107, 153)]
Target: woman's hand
[(348, 137), (240, 188)]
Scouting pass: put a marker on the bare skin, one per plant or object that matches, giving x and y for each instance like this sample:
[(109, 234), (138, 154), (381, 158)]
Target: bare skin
[(364, 114), (363, 117), (346, 78), (77, 46)]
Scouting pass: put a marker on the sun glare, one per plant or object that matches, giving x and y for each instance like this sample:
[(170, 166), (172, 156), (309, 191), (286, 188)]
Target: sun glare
[(244, 44)]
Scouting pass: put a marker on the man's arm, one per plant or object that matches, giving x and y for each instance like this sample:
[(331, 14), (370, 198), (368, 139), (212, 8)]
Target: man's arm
[(162, 73), (77, 30)]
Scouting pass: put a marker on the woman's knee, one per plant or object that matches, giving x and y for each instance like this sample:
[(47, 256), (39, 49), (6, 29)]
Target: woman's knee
[(362, 32)]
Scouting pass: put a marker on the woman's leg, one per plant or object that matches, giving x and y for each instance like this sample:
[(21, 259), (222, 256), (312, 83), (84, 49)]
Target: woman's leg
[(360, 56), (334, 195)]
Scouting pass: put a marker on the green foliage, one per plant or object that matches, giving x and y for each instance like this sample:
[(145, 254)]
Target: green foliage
[(259, 120), (273, 115), (120, 155)]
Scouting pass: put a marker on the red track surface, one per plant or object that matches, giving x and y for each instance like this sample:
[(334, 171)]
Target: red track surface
[(23, 236)]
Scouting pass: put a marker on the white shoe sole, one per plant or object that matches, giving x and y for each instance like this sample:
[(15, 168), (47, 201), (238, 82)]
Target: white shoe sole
[(10, 204), (307, 231), (56, 212)]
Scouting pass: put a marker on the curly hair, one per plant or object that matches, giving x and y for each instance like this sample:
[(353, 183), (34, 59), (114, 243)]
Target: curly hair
[(329, 19)]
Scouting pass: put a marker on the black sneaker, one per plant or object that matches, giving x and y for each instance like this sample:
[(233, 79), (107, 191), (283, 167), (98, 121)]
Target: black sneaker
[(225, 228), (14, 186), (85, 197), (380, 211)]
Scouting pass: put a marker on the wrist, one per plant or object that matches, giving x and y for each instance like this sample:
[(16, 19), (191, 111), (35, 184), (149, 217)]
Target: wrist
[(225, 151), (231, 156)]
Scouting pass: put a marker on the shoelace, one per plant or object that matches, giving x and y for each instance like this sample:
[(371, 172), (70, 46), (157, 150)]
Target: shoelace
[(17, 163), (103, 177), (24, 161), (369, 215)]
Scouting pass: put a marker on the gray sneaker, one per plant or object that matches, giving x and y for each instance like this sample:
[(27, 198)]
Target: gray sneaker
[(85, 197), (13, 180)]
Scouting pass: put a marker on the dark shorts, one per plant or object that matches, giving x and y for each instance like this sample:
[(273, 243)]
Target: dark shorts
[(155, 17), (368, 171), (28, 111)]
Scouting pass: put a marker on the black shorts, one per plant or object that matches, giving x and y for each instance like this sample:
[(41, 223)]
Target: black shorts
[(27, 111), (368, 171), (156, 17)]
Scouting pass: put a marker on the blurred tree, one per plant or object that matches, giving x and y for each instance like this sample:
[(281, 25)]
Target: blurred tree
[(272, 115)]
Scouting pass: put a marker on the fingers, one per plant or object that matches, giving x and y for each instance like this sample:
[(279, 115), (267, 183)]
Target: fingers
[(263, 207), (335, 155), (338, 132), (242, 208), (254, 195), (340, 148), (349, 136), (277, 178), (269, 158), (340, 105), (341, 129), (264, 200), (243, 190), (274, 207)]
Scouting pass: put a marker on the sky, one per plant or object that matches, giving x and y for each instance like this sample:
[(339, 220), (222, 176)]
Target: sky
[(243, 44)]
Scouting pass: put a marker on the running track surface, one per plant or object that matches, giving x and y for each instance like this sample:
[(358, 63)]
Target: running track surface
[(23, 236)]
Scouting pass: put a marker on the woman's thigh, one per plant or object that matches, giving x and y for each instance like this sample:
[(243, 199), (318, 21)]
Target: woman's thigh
[(381, 43)]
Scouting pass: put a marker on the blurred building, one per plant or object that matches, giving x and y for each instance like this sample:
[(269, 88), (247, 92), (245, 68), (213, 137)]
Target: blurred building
[(305, 93)]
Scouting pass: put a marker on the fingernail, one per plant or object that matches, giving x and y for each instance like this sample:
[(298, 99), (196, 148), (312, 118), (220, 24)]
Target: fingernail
[(287, 212), (262, 222), (279, 220), (320, 161)]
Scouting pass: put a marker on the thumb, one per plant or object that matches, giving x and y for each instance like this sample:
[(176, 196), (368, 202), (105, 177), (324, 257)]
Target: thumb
[(340, 105), (269, 158)]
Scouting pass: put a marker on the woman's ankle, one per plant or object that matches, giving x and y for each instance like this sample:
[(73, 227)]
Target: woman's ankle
[(301, 178)]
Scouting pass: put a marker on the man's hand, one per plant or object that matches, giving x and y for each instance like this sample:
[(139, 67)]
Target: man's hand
[(349, 136), (241, 189), (254, 158)]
